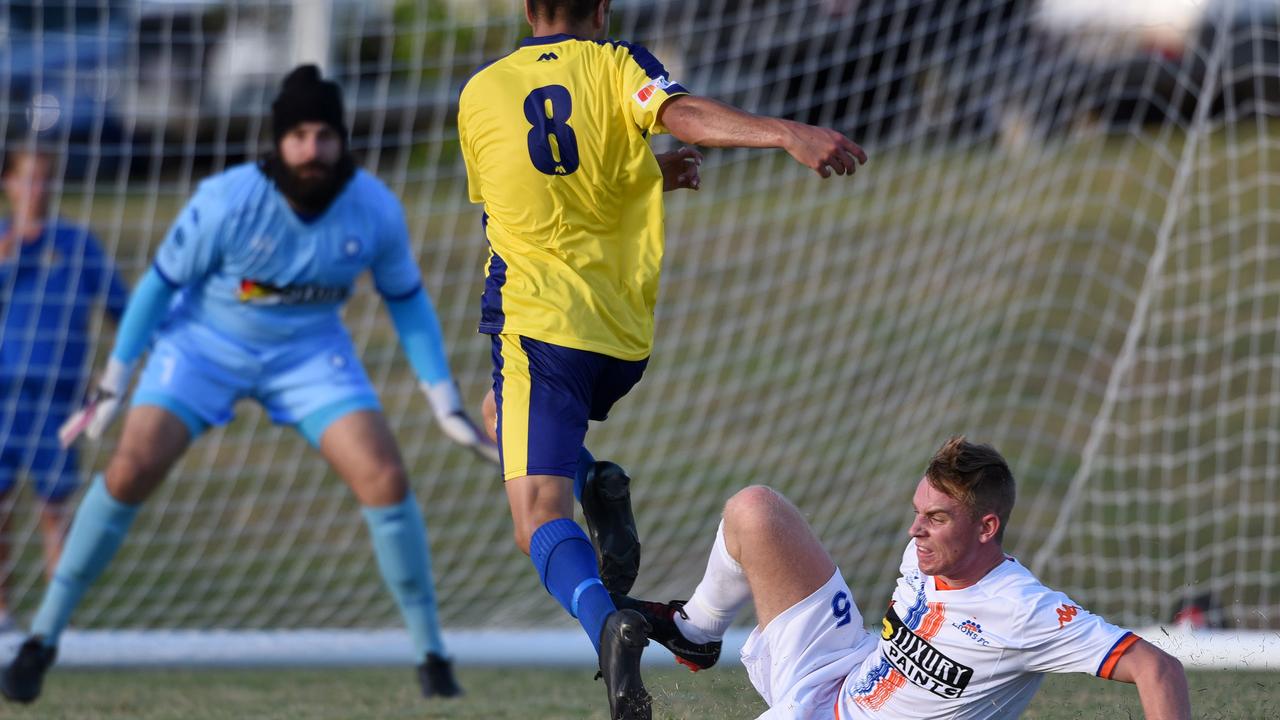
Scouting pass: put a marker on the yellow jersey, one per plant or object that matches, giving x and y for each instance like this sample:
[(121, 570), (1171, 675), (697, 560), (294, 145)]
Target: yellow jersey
[(555, 139)]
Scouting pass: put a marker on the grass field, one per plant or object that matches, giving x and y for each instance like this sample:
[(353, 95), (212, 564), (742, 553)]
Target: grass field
[(997, 308), (531, 694)]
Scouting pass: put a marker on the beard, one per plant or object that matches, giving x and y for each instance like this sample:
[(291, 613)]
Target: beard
[(312, 186)]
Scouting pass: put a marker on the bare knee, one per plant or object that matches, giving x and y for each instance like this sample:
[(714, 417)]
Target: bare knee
[(753, 508), (132, 474), (758, 514), (535, 501), (386, 484)]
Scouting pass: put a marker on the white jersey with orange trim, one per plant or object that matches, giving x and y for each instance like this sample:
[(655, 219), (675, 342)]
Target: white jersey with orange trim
[(976, 652)]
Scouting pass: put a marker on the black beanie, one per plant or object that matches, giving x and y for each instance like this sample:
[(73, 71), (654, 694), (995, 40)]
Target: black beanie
[(306, 97)]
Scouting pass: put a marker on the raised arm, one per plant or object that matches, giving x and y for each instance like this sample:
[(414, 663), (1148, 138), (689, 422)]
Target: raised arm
[(1162, 684), (711, 123)]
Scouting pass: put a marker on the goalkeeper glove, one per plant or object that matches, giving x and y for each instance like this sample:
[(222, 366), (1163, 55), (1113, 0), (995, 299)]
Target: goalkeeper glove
[(446, 403), (101, 405)]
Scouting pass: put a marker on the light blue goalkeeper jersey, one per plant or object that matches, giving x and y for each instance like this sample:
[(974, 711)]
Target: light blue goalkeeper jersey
[(250, 268)]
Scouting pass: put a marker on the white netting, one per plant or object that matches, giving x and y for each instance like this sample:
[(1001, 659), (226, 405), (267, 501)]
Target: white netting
[(1064, 244)]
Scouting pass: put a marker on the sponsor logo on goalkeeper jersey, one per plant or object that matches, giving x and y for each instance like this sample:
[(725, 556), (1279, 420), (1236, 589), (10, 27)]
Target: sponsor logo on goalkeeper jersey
[(920, 662), (253, 292), (646, 93)]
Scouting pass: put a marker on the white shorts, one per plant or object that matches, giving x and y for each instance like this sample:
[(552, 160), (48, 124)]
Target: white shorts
[(799, 661)]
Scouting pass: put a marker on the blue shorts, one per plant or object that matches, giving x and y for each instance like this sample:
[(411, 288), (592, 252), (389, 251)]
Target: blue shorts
[(198, 374), (30, 413), (546, 394)]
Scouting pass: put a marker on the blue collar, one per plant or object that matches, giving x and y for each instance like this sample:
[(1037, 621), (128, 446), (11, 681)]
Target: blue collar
[(548, 39)]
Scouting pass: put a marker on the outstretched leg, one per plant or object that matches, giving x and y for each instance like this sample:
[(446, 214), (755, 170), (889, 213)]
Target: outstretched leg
[(782, 558), (541, 506), (604, 491), (764, 551)]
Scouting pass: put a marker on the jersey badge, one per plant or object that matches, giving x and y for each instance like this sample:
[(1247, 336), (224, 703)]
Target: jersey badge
[(646, 93), (972, 630), (351, 247), (544, 57)]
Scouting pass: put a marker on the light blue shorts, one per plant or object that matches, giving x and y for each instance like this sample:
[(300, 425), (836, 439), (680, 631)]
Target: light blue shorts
[(199, 375)]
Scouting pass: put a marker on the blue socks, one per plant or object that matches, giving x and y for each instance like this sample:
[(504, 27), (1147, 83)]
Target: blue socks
[(566, 562), (100, 524), (400, 544), (585, 461)]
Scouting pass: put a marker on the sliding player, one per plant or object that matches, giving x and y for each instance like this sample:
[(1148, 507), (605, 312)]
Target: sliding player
[(969, 632)]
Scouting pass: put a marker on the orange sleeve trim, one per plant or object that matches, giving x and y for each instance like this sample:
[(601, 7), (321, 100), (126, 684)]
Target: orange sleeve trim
[(837, 706), (1109, 665)]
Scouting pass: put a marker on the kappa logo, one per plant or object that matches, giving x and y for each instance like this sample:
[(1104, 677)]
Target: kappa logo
[(544, 57), (1066, 614)]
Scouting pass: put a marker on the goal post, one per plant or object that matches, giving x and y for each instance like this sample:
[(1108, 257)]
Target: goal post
[(1064, 244)]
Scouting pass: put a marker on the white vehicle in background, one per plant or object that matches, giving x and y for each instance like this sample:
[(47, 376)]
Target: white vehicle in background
[(218, 62), (122, 80), (1155, 60)]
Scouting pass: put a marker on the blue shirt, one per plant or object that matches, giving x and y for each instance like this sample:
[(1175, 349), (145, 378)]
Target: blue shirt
[(47, 291), (254, 271)]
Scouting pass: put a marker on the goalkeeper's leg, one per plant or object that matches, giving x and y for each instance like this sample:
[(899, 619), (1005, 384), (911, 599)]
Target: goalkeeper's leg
[(362, 450), (152, 441)]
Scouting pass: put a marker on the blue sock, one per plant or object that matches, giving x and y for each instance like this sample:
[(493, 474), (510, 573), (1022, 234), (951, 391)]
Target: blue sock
[(100, 524), (585, 461), (566, 563), (400, 544)]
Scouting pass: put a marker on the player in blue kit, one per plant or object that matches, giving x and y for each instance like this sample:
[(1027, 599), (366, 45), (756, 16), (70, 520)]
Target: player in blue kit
[(53, 274), (248, 284)]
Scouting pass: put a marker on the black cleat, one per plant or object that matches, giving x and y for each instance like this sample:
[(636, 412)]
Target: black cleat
[(663, 629), (435, 675), (606, 504), (622, 641), (21, 681)]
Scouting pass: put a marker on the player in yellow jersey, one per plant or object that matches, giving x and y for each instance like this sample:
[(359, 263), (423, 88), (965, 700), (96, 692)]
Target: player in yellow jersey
[(555, 138)]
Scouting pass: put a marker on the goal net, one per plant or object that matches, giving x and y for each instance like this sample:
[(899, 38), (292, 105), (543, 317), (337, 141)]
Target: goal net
[(1065, 244)]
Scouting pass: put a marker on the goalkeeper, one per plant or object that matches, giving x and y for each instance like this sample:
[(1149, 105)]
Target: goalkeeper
[(555, 139), (246, 290)]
